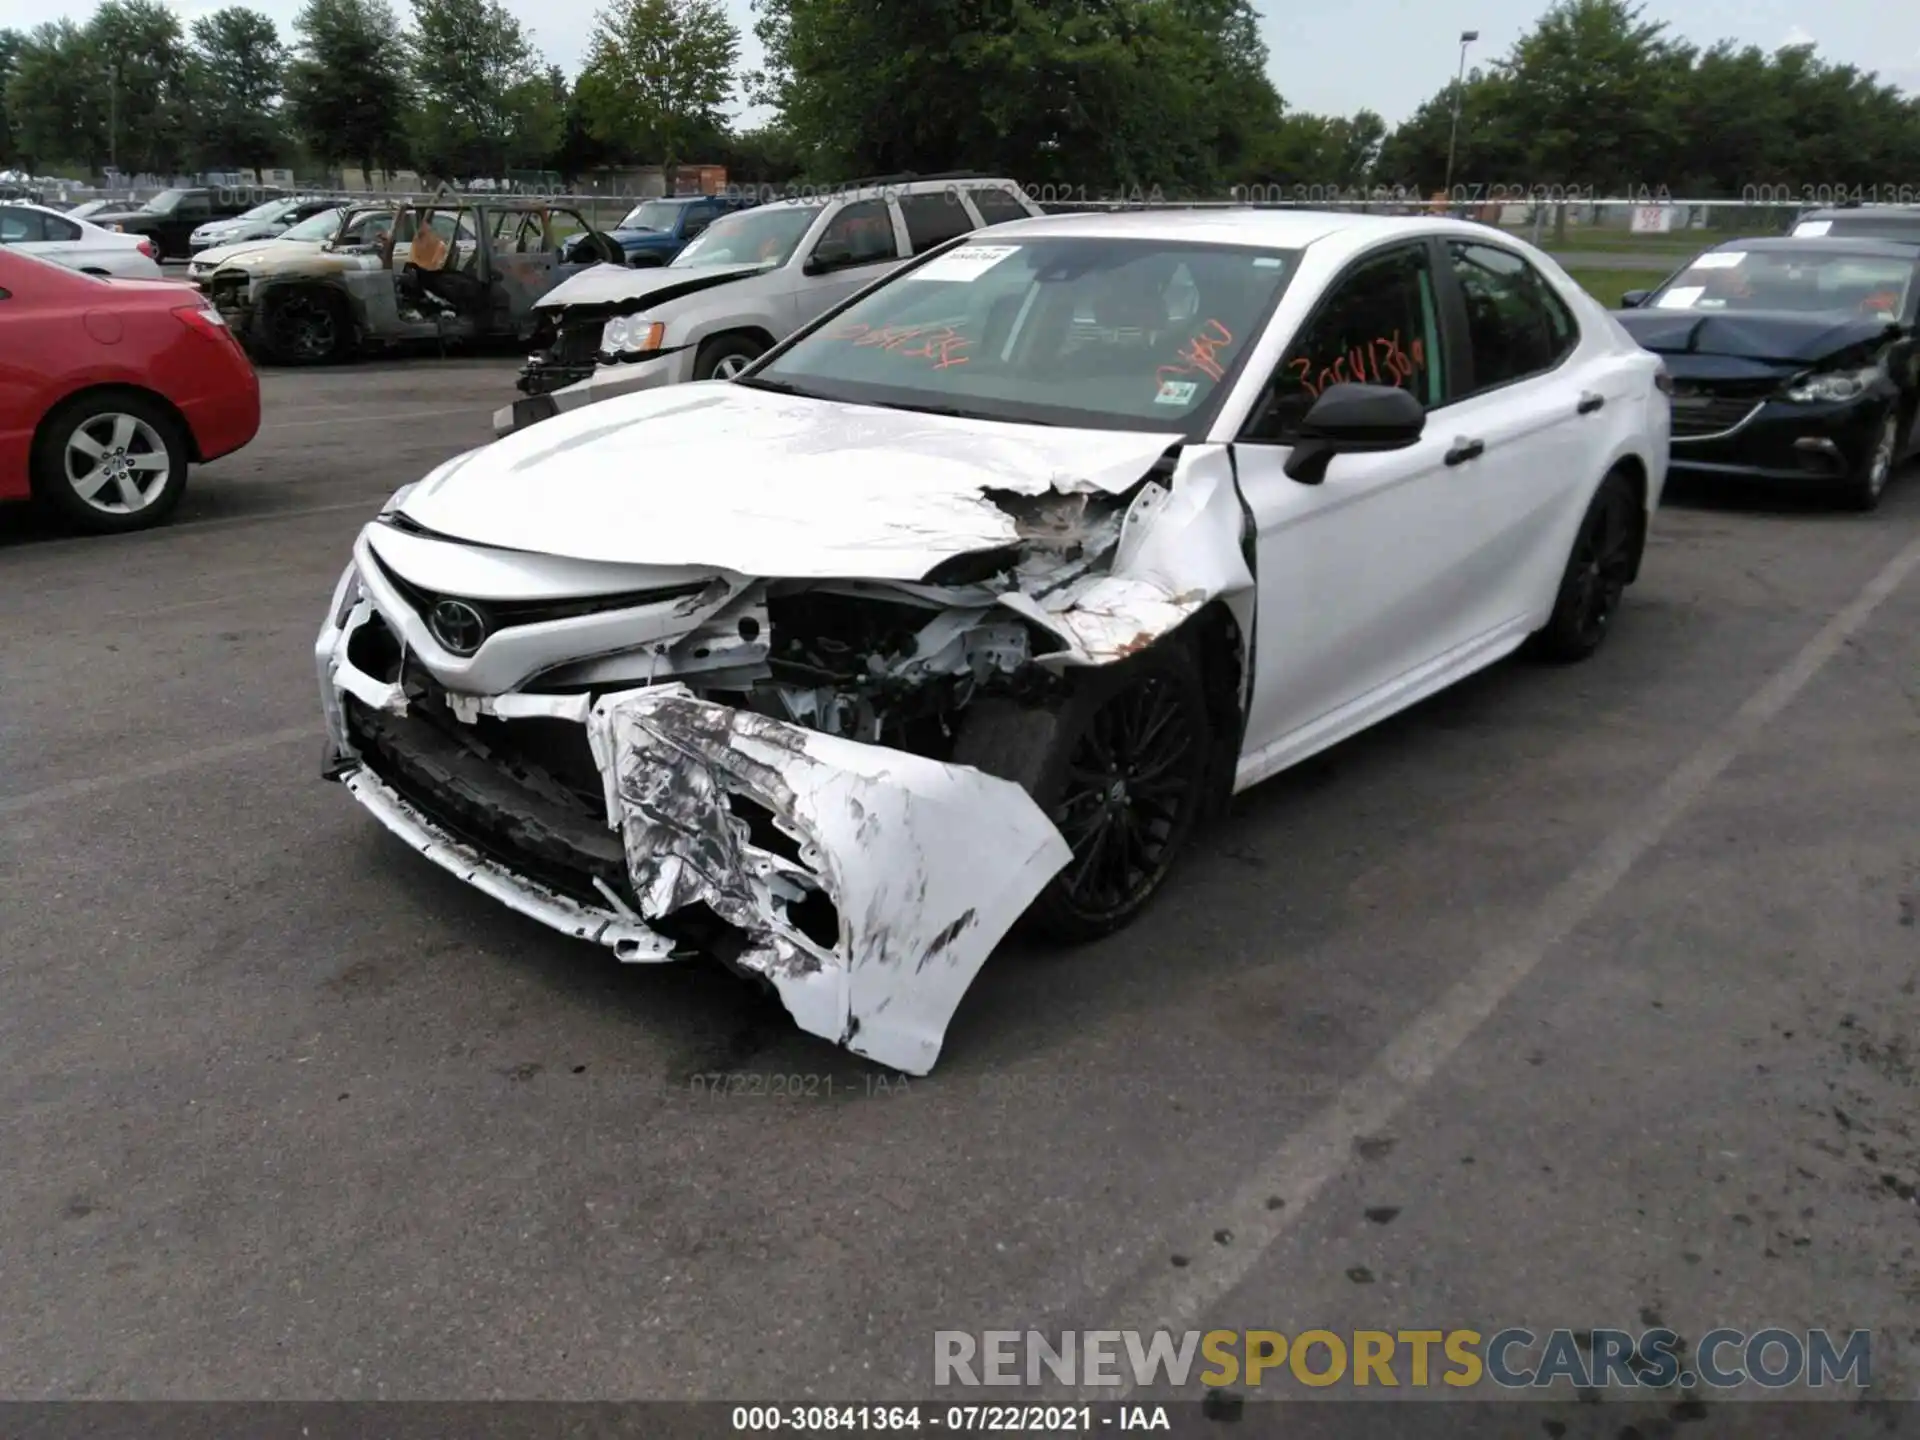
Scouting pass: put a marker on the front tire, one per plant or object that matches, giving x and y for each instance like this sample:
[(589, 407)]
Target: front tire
[(305, 326), (1120, 766), (1606, 555), (110, 462), (1869, 480), (725, 356)]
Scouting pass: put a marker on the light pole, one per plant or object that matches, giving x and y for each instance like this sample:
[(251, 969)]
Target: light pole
[(113, 119), (1467, 37)]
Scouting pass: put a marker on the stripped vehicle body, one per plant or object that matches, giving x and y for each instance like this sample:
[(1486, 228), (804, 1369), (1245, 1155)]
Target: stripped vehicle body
[(894, 674), (441, 271)]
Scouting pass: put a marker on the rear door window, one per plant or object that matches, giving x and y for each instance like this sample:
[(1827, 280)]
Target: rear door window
[(1517, 325), (996, 204), (935, 218)]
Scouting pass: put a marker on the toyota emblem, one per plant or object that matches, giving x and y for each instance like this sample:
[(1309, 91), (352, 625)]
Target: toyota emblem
[(458, 626)]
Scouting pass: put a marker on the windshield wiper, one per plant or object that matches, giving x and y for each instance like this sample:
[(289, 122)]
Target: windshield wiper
[(954, 412)]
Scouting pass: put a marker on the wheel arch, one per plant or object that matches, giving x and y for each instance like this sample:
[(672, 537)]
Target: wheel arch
[(759, 334), (1632, 469), (119, 387), (1219, 647)]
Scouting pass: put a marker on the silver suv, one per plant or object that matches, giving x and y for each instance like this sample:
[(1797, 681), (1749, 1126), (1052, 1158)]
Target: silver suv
[(745, 284)]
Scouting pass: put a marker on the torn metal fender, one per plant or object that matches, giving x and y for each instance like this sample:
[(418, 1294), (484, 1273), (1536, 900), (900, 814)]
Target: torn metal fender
[(927, 864), (1180, 548)]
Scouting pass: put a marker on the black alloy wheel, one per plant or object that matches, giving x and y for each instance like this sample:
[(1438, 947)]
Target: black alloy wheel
[(1605, 555)]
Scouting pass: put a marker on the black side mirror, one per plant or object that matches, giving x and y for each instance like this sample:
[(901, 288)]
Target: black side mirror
[(1354, 420), (829, 255), (1634, 299)]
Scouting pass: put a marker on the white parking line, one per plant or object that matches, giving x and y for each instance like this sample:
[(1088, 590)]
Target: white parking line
[(1164, 1297), (93, 785)]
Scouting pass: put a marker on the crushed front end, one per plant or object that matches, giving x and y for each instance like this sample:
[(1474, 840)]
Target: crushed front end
[(686, 762)]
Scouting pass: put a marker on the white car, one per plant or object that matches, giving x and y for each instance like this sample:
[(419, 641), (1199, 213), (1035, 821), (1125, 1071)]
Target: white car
[(311, 233), (78, 244), (262, 222), (975, 597)]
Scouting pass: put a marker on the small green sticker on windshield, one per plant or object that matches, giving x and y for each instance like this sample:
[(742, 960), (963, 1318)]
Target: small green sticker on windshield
[(1176, 392)]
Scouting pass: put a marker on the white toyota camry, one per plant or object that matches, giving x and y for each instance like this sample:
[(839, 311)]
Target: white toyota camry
[(972, 599)]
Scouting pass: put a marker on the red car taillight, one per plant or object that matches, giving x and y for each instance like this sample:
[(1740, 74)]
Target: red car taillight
[(145, 247), (203, 319)]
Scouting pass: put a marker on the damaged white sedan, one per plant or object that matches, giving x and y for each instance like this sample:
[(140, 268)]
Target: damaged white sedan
[(975, 597)]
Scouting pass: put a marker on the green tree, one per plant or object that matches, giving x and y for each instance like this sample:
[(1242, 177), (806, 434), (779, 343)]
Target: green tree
[(1598, 93), (11, 44), (578, 151), (657, 78), (347, 90), (56, 99), (1489, 151), (476, 75), (236, 71), (1084, 95), (140, 43)]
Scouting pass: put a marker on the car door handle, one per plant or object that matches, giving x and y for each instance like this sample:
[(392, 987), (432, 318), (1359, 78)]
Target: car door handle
[(1465, 450), (1590, 403)]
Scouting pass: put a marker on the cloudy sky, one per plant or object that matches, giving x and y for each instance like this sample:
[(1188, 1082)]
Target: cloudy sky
[(1386, 55)]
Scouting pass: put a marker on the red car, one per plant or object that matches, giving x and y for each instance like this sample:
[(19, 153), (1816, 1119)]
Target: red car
[(109, 389)]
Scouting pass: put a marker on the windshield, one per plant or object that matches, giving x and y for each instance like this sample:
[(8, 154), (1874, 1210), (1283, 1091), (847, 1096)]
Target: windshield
[(652, 215), (316, 227), (164, 203), (1069, 330), (370, 227), (91, 207), (1805, 280), (269, 211), (766, 236)]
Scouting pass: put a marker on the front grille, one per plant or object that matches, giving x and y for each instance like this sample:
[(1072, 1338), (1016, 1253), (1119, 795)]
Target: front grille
[(1701, 410), (508, 614), (570, 357), (525, 793)]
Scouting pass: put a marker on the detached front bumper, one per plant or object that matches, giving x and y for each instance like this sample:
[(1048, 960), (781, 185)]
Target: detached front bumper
[(866, 885), (608, 381)]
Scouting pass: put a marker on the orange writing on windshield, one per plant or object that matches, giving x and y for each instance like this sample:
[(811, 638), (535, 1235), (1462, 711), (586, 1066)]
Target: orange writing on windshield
[(940, 344), (1384, 360), (1200, 355)]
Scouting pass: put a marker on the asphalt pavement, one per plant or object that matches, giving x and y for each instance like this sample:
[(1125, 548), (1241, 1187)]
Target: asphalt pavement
[(1573, 997)]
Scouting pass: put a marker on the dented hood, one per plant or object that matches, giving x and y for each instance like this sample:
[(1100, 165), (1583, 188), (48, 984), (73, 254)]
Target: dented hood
[(618, 284), (1786, 337), (718, 474)]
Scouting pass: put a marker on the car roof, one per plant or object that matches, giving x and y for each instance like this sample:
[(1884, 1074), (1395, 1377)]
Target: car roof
[(1885, 247), (1850, 212), (1266, 229)]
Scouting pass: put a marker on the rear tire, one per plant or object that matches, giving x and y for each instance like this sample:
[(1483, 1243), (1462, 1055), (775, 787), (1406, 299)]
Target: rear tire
[(1606, 555), (1120, 766), (1868, 483), (725, 356), (110, 462)]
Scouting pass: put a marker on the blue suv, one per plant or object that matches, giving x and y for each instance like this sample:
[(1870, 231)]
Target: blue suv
[(655, 231)]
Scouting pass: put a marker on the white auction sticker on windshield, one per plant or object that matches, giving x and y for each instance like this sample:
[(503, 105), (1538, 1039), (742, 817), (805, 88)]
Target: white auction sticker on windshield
[(1720, 260), (1812, 227), (1681, 298), (969, 262), (1176, 392)]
